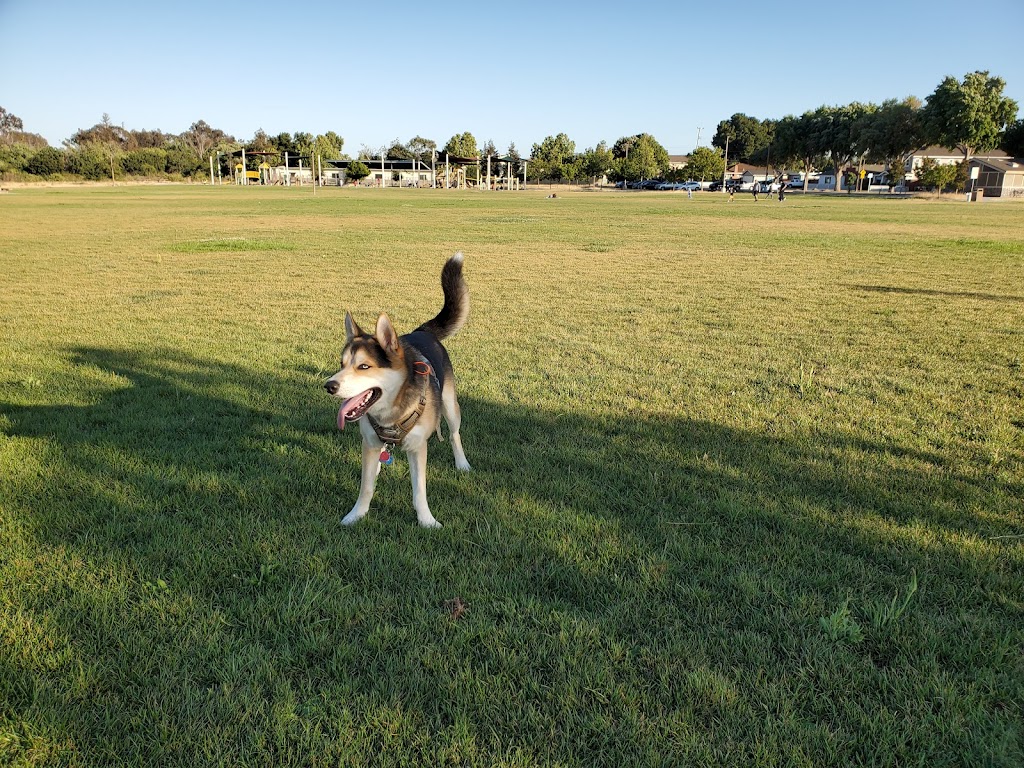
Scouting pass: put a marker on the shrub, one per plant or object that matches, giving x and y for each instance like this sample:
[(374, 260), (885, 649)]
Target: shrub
[(90, 161), (145, 162), (357, 171), (14, 157), (46, 162)]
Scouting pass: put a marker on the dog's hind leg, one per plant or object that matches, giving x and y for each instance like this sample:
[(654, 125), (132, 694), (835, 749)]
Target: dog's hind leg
[(370, 469), (453, 415), (418, 473)]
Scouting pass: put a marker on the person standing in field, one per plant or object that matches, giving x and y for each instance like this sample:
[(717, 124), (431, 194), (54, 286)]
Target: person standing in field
[(753, 189), (732, 190)]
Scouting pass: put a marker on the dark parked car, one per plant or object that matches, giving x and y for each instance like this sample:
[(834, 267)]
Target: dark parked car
[(729, 183)]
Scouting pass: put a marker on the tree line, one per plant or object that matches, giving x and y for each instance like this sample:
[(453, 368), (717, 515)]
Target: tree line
[(971, 115)]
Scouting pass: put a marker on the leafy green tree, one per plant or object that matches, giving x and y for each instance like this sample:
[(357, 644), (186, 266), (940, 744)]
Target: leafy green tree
[(517, 160), (705, 164), (935, 176), (202, 139), (14, 158), (89, 161), (840, 133), (144, 162), (1013, 139), (892, 133), (357, 171), (399, 151), (48, 161), (329, 144), (538, 170), (462, 145), (555, 149), (639, 157), (800, 140), (144, 139), (747, 136), (422, 149), (104, 133), (969, 115), (182, 160), (10, 123), (597, 162)]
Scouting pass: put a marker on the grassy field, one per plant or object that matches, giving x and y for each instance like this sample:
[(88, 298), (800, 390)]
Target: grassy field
[(747, 491)]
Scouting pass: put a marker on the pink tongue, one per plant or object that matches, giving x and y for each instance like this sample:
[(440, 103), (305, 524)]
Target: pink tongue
[(348, 406)]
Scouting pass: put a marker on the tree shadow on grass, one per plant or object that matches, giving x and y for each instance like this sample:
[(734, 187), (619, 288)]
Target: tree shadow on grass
[(640, 585), (1009, 298)]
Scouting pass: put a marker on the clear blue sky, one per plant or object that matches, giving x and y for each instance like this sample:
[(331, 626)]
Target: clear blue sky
[(373, 72)]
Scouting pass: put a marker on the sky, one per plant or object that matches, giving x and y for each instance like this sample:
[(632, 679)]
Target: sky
[(510, 73)]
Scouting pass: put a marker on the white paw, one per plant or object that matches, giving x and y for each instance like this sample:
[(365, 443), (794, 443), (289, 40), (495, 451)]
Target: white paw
[(353, 517), (429, 523), (462, 466)]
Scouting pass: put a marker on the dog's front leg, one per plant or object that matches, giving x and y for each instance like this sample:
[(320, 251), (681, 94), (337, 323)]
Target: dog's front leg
[(418, 473), (368, 481)]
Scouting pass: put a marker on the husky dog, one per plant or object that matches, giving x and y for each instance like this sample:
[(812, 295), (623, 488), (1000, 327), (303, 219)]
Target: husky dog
[(397, 388)]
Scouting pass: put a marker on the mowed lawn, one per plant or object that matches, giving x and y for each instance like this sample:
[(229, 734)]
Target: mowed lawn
[(747, 491)]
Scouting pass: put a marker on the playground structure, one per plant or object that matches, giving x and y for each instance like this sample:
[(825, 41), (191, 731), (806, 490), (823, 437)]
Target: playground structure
[(301, 169), (295, 170)]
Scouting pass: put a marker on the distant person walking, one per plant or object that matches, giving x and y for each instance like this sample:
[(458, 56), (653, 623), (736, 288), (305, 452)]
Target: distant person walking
[(754, 190), (732, 190), (782, 192)]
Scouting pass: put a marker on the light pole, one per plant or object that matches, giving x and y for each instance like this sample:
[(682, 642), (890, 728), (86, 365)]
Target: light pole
[(725, 170)]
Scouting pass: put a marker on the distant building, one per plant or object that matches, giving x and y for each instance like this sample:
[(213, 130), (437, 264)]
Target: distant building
[(383, 173), (1000, 177), (946, 156)]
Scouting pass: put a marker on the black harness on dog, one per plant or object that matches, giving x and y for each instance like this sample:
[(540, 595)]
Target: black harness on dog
[(394, 434)]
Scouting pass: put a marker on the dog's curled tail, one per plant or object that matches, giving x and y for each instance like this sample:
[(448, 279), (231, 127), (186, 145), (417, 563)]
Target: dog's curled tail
[(456, 301)]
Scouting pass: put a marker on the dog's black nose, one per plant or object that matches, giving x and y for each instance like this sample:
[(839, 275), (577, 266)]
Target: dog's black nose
[(331, 386)]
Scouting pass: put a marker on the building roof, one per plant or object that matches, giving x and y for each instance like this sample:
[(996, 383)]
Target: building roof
[(1004, 164), (389, 165), (937, 151)]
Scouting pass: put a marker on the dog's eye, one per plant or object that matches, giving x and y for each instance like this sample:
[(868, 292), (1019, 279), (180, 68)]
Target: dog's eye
[(363, 367)]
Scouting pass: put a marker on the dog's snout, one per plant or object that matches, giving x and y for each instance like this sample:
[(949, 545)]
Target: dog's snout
[(332, 387)]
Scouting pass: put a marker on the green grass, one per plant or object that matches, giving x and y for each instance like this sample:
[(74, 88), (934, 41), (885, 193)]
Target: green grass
[(747, 485)]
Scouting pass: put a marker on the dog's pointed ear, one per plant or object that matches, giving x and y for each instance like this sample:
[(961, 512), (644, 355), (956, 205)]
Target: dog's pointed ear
[(386, 334), (352, 328)]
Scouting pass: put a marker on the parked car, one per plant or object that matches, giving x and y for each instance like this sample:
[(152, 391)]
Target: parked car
[(729, 183), (691, 186)]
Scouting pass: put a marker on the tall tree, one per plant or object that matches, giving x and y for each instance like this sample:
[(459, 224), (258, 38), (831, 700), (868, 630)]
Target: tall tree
[(892, 133), (597, 161), (201, 138), (399, 151), (328, 145), (801, 140), (104, 133), (422, 149), (1013, 140), (705, 163), (639, 157), (840, 133), (462, 145), (12, 131), (747, 136), (969, 115), (554, 149), (9, 122)]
